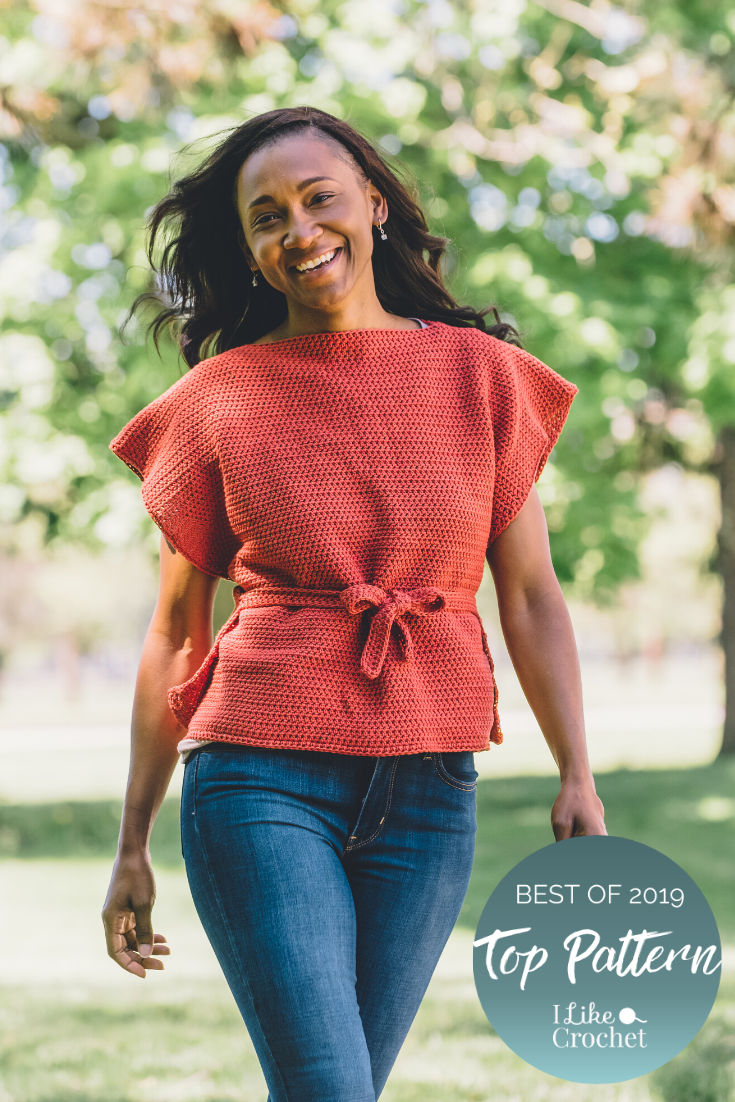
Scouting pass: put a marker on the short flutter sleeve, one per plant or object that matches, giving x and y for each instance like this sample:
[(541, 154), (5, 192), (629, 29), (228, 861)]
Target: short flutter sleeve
[(529, 404), (171, 446)]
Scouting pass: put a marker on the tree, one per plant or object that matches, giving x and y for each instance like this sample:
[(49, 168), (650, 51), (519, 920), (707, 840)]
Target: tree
[(689, 109), (544, 139)]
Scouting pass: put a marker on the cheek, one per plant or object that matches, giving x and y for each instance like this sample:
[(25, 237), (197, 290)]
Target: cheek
[(361, 240), (266, 252), (259, 244)]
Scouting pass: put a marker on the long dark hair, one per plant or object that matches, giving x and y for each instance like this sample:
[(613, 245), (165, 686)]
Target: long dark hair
[(204, 282)]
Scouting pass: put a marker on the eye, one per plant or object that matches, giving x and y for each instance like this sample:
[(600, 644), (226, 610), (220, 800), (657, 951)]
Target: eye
[(264, 219), (318, 198)]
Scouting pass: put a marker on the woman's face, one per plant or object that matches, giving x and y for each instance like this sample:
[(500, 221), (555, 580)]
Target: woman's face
[(307, 218)]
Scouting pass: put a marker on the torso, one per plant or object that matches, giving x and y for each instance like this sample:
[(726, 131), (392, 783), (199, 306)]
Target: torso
[(326, 462)]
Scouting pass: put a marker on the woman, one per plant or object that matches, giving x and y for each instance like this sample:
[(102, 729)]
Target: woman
[(355, 447)]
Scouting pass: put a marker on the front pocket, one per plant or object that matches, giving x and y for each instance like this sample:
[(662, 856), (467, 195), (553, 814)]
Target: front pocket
[(457, 769)]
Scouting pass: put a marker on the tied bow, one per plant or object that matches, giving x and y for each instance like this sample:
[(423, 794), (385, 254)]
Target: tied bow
[(391, 607)]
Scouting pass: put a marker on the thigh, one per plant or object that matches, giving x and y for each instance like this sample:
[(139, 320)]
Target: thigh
[(262, 834), (408, 884)]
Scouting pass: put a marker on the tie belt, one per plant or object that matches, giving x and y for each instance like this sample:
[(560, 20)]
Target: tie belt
[(391, 612)]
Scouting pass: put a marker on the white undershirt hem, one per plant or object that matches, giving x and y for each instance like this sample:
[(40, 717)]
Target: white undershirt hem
[(186, 746)]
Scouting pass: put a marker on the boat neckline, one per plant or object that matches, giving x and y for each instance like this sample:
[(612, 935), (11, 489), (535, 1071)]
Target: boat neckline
[(342, 333)]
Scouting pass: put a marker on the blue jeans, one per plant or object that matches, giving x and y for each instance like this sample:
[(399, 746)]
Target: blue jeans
[(328, 885)]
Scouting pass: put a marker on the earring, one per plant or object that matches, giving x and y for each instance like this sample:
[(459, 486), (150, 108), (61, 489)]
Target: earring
[(255, 279), (383, 234)]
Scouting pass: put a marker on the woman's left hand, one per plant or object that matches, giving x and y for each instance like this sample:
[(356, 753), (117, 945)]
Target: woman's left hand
[(577, 810)]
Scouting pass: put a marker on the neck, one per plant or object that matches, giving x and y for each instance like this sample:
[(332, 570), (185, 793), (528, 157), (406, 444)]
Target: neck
[(360, 310), (301, 322)]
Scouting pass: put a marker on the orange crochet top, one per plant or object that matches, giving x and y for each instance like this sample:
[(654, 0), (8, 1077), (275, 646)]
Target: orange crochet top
[(350, 484)]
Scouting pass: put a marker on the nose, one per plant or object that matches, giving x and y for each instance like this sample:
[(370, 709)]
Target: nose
[(301, 231)]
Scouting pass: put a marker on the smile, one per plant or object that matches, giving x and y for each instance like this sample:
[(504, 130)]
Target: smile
[(317, 262)]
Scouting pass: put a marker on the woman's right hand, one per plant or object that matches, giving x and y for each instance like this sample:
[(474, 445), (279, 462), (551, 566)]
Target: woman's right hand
[(177, 642), (127, 917)]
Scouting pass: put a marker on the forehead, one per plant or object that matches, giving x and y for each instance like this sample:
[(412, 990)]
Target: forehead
[(290, 160)]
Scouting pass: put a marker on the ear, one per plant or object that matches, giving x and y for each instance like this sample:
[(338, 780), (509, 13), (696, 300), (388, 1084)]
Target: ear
[(379, 205)]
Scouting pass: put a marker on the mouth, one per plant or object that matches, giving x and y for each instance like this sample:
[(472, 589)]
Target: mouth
[(317, 263)]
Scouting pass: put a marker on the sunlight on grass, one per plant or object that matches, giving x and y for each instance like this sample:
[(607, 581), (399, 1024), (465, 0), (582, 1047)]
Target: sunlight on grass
[(75, 1028), (186, 1043)]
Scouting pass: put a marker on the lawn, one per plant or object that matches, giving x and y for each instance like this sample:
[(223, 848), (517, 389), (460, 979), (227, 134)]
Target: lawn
[(75, 1029), (687, 814)]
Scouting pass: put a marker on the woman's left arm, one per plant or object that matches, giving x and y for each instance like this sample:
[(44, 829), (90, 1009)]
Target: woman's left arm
[(540, 640)]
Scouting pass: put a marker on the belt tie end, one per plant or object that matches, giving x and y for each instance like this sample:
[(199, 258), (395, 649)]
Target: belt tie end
[(391, 606)]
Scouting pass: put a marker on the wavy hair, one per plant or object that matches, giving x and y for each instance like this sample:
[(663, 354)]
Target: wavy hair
[(205, 290)]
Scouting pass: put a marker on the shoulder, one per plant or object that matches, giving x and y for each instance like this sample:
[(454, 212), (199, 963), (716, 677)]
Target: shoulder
[(191, 407), (486, 356), (170, 422), (507, 364), (200, 390), (208, 376), (473, 341), (515, 383)]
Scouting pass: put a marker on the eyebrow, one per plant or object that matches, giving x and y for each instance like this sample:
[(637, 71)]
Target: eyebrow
[(302, 186)]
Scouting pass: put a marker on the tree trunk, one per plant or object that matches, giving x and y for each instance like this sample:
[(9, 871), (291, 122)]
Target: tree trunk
[(726, 561)]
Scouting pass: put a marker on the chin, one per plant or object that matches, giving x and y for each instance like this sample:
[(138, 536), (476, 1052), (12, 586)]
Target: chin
[(324, 299)]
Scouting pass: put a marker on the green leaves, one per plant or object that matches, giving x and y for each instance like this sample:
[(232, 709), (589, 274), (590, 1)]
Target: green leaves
[(548, 141)]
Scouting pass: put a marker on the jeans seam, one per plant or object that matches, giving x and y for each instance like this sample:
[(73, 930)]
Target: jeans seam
[(349, 849), (449, 779), (218, 900)]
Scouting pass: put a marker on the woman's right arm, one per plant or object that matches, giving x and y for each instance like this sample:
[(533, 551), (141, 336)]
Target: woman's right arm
[(177, 642)]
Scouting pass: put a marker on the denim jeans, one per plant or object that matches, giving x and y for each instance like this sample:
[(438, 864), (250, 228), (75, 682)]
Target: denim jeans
[(328, 885)]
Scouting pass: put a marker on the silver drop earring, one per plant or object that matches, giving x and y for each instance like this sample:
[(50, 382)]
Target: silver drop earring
[(255, 279), (383, 234)]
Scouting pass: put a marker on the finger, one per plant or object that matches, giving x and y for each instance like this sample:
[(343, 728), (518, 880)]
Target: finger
[(144, 930), (118, 937), (152, 963), (133, 962), (121, 944), (161, 951), (130, 961)]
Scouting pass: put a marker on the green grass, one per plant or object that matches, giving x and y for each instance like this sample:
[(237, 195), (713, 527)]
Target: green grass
[(189, 1045), (56, 1048), (100, 1038), (81, 829), (658, 808)]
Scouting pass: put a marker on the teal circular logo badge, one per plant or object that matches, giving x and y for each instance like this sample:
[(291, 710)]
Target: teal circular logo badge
[(597, 959)]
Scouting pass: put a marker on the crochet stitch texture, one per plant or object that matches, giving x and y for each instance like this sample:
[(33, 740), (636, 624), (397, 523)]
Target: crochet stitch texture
[(350, 484)]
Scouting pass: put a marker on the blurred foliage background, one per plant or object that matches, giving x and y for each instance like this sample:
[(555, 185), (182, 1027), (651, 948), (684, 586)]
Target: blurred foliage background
[(580, 158)]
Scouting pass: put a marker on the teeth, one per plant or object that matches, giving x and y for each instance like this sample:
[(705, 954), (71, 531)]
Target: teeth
[(305, 267)]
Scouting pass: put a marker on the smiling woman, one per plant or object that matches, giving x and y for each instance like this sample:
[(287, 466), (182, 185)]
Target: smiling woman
[(311, 236), (314, 176), (353, 451)]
